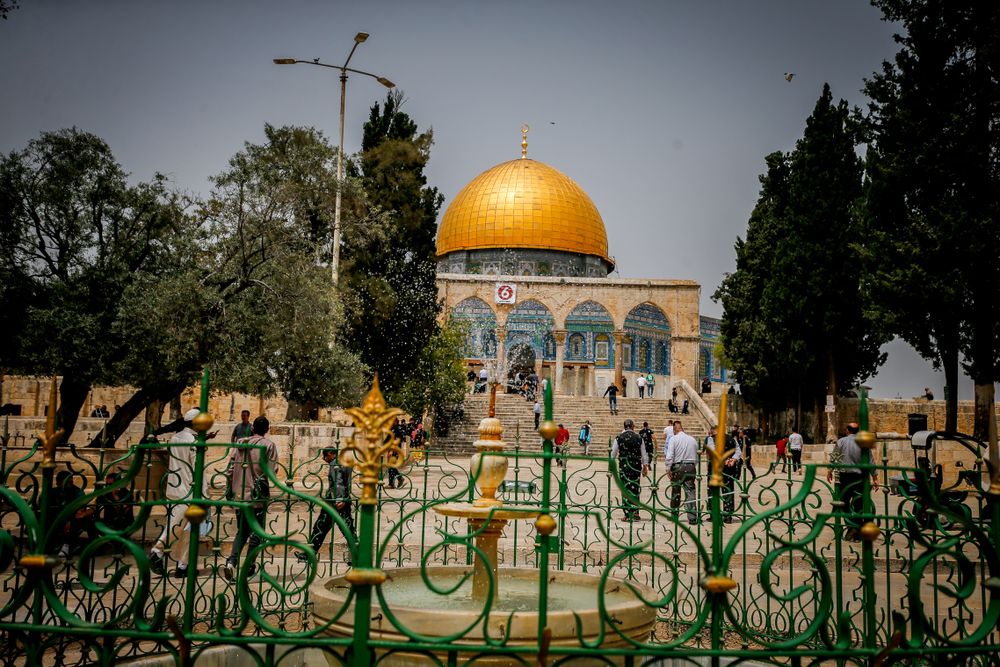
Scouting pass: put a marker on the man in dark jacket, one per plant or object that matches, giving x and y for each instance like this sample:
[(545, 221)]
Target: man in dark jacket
[(338, 492), (612, 393), (633, 460)]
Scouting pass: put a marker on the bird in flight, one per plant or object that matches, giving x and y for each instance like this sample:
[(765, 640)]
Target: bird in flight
[(789, 76)]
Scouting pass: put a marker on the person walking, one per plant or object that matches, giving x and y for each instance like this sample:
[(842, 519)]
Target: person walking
[(851, 483), (633, 461), (538, 413), (640, 382), (746, 444), (562, 438), (780, 456), (243, 429), (585, 437), (612, 393), (682, 464), (248, 483), (668, 434), (648, 439), (399, 431), (650, 383), (180, 482), (795, 448), (624, 387), (731, 470), (338, 492)]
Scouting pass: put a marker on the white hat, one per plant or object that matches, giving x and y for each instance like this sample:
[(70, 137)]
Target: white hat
[(191, 414)]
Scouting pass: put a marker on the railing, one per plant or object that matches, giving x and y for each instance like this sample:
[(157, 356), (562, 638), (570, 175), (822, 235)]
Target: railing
[(790, 574)]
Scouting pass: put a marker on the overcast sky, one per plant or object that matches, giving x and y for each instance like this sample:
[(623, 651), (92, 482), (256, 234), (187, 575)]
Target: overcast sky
[(662, 111)]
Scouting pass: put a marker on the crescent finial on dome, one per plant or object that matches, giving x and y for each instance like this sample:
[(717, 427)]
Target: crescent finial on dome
[(524, 141)]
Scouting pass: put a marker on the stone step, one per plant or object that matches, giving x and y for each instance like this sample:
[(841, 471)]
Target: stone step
[(517, 416)]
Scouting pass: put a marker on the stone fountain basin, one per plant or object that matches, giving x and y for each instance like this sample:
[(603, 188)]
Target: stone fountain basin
[(424, 612)]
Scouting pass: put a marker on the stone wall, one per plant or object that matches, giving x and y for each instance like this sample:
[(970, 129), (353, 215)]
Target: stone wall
[(32, 394)]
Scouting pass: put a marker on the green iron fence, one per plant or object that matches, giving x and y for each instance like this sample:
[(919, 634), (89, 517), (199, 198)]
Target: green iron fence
[(791, 575)]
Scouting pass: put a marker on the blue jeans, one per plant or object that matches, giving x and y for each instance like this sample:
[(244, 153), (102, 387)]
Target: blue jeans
[(613, 404)]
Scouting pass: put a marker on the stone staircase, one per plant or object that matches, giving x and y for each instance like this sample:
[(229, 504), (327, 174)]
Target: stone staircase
[(517, 418)]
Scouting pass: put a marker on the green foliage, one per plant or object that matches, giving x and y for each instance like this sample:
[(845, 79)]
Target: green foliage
[(794, 324), (932, 195), (107, 283), (389, 278), (270, 312), (74, 236), (439, 378)]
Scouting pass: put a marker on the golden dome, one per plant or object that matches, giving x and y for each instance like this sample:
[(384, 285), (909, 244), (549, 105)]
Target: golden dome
[(523, 204)]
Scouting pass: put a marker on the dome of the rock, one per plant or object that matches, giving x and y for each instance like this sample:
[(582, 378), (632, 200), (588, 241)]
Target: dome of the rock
[(524, 206)]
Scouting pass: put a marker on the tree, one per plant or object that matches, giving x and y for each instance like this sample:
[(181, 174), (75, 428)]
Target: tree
[(820, 256), (439, 379), (794, 322), (251, 301), (6, 7), (389, 276), (756, 337), (114, 284), (74, 235), (935, 186)]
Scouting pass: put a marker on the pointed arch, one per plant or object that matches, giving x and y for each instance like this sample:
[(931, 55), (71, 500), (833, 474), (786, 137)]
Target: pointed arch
[(585, 323), (531, 322), (648, 328), (481, 324)]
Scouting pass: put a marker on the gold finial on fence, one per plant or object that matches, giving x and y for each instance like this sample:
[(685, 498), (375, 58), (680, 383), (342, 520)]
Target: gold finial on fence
[(719, 454), (371, 440), (52, 435)]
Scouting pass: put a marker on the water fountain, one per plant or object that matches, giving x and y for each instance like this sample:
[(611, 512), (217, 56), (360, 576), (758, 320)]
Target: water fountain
[(498, 604)]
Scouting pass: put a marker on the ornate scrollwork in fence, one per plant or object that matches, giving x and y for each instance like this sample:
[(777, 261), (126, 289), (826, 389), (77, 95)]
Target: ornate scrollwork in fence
[(798, 574)]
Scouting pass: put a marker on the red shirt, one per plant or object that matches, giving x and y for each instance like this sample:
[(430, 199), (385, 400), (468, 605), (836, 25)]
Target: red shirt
[(562, 436), (781, 446)]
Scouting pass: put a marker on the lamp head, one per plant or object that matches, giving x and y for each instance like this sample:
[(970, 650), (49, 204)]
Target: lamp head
[(361, 37), (385, 82), (284, 61)]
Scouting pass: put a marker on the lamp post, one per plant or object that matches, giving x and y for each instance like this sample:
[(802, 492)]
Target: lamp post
[(344, 69)]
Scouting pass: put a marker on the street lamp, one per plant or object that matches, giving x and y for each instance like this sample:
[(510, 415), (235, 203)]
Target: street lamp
[(344, 69)]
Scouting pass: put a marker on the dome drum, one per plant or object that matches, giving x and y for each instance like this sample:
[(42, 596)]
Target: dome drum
[(522, 262)]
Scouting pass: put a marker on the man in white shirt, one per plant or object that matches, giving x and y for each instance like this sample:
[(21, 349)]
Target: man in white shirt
[(682, 466), (668, 434), (795, 447), (179, 483), (640, 382)]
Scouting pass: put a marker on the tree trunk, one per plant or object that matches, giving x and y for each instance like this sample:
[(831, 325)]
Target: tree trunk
[(798, 409), (175, 404), (72, 396), (818, 426), (139, 401), (154, 415), (949, 361), (986, 423)]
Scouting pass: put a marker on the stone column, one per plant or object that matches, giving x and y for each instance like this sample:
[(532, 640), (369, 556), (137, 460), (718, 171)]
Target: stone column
[(501, 352), (486, 541), (560, 336), (618, 336)]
